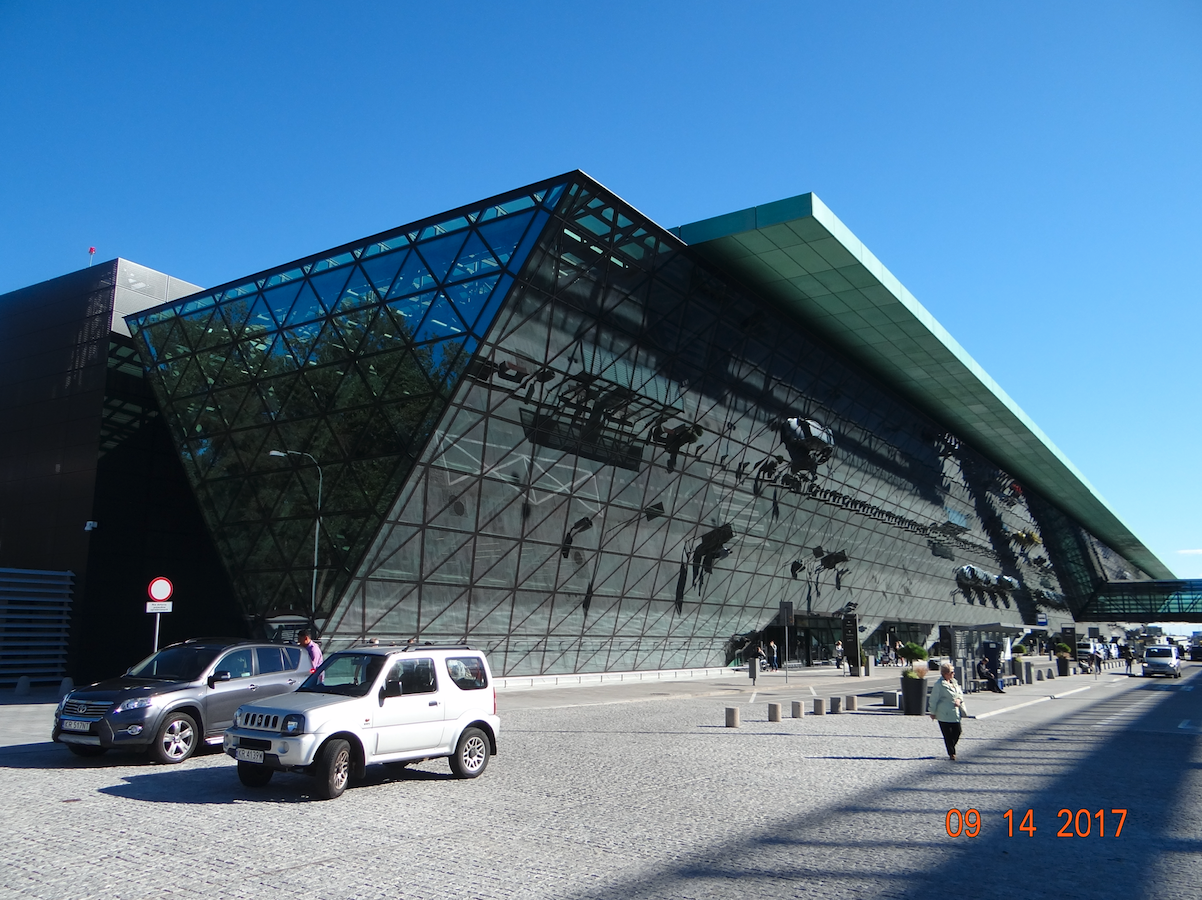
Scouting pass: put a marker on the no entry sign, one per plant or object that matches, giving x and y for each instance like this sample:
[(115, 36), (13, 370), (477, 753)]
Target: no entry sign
[(160, 589)]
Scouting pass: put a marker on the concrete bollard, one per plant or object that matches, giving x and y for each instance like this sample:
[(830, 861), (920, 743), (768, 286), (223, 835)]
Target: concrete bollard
[(849, 703), (798, 709), (732, 717), (836, 703), (1039, 674), (22, 686), (773, 712), (66, 686), (1028, 668), (819, 707), (889, 698)]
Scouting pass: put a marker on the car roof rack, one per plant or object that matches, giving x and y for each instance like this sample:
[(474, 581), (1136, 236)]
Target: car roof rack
[(409, 648)]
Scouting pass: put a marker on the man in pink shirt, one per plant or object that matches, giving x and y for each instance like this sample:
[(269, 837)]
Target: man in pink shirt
[(310, 646)]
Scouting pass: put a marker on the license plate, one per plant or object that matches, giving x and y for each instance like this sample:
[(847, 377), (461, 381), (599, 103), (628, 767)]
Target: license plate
[(255, 756), (75, 725)]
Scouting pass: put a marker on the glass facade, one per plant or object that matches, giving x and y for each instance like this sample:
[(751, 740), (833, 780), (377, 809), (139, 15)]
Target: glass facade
[(343, 363), (547, 427)]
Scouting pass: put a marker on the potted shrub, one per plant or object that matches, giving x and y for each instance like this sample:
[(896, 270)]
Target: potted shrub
[(1064, 655), (1016, 660), (914, 680)]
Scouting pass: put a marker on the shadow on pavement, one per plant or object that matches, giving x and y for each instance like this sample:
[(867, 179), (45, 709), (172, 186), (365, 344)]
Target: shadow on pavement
[(49, 755), (220, 785), (893, 842)]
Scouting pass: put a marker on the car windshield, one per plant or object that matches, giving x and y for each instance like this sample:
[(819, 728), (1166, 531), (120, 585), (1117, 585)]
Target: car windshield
[(351, 674), (1158, 651), (176, 663)]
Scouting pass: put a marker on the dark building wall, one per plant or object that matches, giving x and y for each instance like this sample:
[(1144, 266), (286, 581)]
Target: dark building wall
[(53, 343), (149, 526)]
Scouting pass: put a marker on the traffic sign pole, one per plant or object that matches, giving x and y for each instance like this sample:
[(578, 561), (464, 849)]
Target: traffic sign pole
[(159, 590)]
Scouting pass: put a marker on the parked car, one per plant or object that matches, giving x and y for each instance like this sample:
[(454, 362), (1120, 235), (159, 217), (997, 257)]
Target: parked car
[(1161, 660), (174, 699), (372, 705)]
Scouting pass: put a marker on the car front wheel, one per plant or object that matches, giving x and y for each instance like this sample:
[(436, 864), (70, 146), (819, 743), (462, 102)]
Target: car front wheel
[(333, 769), (253, 775), (471, 754), (176, 739)]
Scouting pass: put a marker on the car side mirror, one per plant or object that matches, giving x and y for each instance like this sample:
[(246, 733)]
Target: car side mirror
[(390, 689), (218, 676)]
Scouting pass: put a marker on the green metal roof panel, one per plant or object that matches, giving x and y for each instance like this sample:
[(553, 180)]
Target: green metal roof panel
[(796, 253)]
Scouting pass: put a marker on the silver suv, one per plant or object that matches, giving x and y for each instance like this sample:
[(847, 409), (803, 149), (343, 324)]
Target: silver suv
[(174, 699), (372, 705)]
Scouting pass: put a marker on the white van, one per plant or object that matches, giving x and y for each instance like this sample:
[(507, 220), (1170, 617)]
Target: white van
[(1162, 659)]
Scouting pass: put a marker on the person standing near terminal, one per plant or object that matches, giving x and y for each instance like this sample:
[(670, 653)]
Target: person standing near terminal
[(946, 706), (839, 656), (310, 646)]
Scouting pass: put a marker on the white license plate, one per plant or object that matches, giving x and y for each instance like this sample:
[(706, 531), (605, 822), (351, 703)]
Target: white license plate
[(255, 756), (75, 725)]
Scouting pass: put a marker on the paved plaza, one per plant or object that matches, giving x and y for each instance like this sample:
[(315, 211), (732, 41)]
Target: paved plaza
[(639, 791)]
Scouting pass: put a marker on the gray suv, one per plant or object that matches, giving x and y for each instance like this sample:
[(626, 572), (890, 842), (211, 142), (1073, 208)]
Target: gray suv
[(182, 695)]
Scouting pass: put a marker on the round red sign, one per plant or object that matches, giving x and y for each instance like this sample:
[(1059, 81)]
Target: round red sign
[(160, 589)]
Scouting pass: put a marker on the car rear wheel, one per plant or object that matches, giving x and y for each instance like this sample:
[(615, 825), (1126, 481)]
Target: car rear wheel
[(175, 740), (333, 769), (86, 749), (471, 754), (253, 775)]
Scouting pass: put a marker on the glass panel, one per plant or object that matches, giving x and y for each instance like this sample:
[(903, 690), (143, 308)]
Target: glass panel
[(307, 306), (440, 252), (441, 321)]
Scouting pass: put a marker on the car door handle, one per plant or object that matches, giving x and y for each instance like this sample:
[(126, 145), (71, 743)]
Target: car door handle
[(433, 702), (292, 681), (253, 687)]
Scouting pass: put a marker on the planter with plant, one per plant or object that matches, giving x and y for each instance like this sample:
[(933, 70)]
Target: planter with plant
[(914, 680), (1064, 655)]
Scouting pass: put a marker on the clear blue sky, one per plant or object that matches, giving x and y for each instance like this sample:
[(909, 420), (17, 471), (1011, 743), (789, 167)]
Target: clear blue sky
[(1030, 171)]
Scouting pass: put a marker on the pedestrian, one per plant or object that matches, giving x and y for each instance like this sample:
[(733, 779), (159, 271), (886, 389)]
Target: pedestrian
[(946, 706), (772, 658), (305, 639), (1129, 657), (1095, 660), (839, 656)]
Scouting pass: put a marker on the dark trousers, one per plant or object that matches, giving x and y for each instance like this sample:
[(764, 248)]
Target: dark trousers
[(951, 735)]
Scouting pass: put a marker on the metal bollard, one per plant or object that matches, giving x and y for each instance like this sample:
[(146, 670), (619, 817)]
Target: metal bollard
[(836, 702), (889, 698), (849, 703), (732, 717), (819, 707), (798, 709), (773, 712)]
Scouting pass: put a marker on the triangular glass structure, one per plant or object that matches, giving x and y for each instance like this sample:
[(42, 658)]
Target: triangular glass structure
[(316, 360)]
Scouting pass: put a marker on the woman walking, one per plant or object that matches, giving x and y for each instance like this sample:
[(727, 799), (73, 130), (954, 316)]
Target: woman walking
[(946, 706)]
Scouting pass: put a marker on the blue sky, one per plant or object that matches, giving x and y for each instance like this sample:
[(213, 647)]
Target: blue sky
[(1030, 171)]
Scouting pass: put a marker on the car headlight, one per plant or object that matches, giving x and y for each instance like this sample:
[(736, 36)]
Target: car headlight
[(135, 703), (58, 710), (293, 724)]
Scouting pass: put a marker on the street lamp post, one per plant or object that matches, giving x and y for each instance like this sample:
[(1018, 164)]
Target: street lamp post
[(317, 525)]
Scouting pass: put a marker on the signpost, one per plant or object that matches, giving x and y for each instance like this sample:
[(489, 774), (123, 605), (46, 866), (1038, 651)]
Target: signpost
[(786, 619), (159, 591)]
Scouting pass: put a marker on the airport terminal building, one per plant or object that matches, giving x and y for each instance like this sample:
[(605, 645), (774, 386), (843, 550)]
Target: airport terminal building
[(546, 425)]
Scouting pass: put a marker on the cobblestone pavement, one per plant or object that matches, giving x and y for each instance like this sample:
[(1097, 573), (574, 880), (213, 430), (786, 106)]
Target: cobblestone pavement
[(596, 796)]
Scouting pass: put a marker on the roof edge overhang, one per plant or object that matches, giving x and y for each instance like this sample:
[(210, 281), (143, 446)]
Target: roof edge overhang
[(798, 255)]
